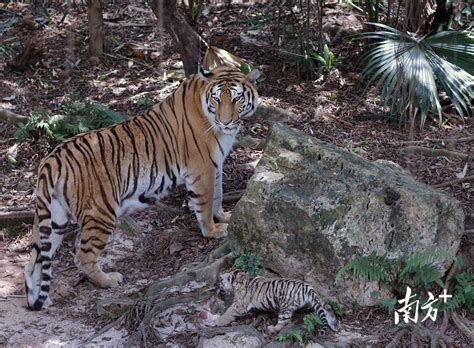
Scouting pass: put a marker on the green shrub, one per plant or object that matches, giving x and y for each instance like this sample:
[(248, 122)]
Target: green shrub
[(78, 118), (249, 262)]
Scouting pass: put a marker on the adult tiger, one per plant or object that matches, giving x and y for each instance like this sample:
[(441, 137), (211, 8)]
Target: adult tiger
[(95, 177)]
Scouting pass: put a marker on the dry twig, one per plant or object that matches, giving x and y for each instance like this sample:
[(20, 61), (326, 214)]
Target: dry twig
[(455, 181)]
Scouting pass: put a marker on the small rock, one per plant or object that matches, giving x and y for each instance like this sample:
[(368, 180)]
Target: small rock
[(2, 236), (234, 337), (175, 247)]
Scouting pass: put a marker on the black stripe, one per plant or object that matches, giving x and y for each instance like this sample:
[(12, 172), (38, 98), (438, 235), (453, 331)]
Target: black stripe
[(183, 96)]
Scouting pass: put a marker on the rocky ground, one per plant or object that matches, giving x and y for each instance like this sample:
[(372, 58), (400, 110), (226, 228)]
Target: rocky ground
[(142, 62)]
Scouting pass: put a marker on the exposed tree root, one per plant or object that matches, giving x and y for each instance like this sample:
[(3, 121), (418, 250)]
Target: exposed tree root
[(463, 324), (251, 142), (396, 339), (154, 301), (16, 217), (433, 152), (439, 141), (455, 181), (102, 331), (435, 336), (232, 196), (219, 330), (11, 117)]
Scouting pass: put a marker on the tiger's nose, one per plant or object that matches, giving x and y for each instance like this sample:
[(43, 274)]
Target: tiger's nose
[(226, 123)]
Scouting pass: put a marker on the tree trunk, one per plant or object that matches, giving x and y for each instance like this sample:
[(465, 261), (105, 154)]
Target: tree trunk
[(182, 34), (96, 32)]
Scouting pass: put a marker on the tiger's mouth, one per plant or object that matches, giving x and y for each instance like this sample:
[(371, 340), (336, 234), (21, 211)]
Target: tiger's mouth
[(230, 128)]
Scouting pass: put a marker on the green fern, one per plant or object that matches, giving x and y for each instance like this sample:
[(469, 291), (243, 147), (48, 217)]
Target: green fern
[(419, 259), (294, 335), (388, 304), (463, 293), (338, 309), (427, 274), (369, 268), (78, 118), (249, 262), (310, 321)]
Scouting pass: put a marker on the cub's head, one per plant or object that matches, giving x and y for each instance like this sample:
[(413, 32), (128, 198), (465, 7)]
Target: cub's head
[(227, 281), (229, 96)]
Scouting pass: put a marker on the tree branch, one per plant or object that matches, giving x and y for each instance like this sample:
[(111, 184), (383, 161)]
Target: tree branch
[(11, 117)]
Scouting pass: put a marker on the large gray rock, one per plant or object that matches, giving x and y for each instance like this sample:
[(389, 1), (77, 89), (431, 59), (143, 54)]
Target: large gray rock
[(312, 207)]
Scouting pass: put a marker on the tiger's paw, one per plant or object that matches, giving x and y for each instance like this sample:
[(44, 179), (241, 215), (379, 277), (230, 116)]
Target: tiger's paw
[(219, 231), (112, 279), (226, 216), (274, 329), (223, 216)]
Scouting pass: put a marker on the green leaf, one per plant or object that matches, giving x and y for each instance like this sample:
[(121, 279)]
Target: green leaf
[(457, 47), (388, 303), (245, 68), (371, 268), (410, 70)]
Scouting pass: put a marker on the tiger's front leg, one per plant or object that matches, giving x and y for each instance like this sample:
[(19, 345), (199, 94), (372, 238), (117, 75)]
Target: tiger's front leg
[(230, 315), (201, 192), (218, 211)]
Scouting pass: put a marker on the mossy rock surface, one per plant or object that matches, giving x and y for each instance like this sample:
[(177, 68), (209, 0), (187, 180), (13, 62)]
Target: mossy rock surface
[(312, 207)]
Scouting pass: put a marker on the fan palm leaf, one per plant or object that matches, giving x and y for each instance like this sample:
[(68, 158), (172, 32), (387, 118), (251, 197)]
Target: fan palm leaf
[(409, 70)]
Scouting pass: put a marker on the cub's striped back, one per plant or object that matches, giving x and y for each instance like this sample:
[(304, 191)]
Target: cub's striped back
[(265, 294), (95, 177)]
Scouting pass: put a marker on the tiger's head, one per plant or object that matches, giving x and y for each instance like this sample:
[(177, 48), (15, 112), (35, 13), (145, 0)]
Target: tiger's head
[(229, 96), (226, 281)]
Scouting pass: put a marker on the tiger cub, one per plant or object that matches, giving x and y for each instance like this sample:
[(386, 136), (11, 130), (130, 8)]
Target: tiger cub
[(267, 294), (95, 177)]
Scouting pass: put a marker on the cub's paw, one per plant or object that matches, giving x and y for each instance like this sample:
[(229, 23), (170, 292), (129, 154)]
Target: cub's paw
[(273, 329)]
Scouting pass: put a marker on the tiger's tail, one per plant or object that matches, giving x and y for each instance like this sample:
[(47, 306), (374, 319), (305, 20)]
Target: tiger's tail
[(38, 270), (318, 308)]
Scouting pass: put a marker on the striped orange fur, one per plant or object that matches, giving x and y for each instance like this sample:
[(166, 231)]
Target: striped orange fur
[(95, 177)]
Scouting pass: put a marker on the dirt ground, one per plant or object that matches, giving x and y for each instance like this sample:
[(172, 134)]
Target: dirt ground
[(141, 61)]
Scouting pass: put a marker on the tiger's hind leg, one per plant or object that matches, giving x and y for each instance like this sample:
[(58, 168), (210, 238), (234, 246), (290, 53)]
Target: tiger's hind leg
[(95, 235), (47, 235), (284, 316)]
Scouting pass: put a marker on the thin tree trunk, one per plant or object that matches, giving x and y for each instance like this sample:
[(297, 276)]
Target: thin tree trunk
[(96, 31), (182, 34)]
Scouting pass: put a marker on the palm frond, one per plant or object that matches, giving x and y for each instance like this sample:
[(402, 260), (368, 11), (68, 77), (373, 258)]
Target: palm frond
[(408, 70), (457, 47)]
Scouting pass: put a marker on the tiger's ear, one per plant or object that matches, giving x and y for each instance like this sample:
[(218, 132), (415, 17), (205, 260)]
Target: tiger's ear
[(253, 75), (203, 72)]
